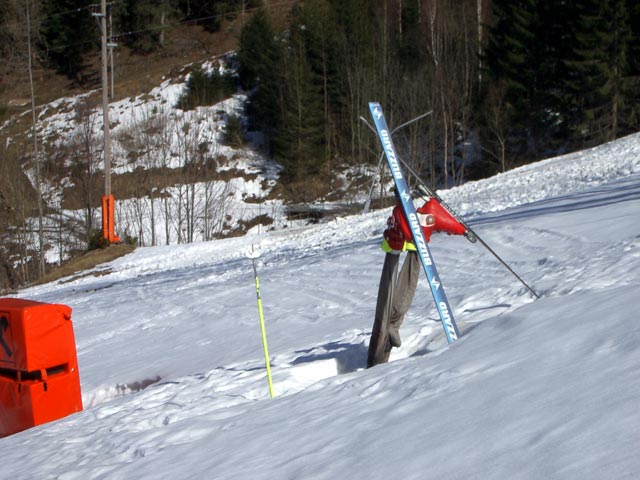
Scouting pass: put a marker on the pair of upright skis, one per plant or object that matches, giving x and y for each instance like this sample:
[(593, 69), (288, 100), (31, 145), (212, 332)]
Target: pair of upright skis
[(442, 303)]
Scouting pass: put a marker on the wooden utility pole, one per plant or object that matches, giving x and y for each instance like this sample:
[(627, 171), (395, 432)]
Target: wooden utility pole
[(111, 45), (108, 203), (105, 100), (41, 263)]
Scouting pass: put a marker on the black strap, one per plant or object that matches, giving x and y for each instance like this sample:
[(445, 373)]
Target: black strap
[(4, 326)]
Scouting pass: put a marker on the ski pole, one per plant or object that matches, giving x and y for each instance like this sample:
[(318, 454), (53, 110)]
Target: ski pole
[(533, 292), (471, 235), (367, 204), (262, 327)]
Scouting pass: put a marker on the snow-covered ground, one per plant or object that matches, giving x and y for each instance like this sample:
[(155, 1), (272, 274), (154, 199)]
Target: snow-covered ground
[(545, 389)]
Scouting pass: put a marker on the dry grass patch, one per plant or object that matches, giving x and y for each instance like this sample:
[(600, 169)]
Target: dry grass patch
[(85, 262)]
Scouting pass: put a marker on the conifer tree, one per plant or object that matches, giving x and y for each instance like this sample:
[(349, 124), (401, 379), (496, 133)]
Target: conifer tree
[(598, 64), (68, 31), (513, 61), (260, 66), (510, 46), (318, 30), (203, 12), (633, 8), (358, 56), (409, 42), (299, 142), (143, 22), (210, 14), (632, 108), (8, 34)]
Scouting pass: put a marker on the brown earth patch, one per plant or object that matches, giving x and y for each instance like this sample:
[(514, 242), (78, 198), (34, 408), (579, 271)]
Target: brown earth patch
[(87, 261)]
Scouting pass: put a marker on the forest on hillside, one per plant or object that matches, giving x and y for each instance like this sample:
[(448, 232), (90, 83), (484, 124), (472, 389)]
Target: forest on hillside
[(503, 83), (506, 82)]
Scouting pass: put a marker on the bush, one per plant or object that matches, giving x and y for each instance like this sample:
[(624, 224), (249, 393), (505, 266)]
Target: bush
[(97, 241), (129, 240), (205, 89), (233, 132)]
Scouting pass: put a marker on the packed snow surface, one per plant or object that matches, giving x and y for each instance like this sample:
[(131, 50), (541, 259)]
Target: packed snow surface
[(173, 374)]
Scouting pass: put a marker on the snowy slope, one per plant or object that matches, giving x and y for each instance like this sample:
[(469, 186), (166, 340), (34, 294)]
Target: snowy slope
[(544, 389), (149, 133)]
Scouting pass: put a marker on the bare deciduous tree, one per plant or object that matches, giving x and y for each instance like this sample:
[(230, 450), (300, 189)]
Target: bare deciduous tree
[(17, 208), (498, 124), (84, 159)]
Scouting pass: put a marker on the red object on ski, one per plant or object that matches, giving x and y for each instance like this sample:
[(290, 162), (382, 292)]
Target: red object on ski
[(398, 236), (433, 218), (443, 221)]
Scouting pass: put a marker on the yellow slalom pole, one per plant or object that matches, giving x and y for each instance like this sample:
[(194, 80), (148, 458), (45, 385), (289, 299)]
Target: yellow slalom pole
[(262, 327)]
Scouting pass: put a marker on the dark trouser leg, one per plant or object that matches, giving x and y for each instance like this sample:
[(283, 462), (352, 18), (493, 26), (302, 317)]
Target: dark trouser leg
[(379, 346), (404, 291)]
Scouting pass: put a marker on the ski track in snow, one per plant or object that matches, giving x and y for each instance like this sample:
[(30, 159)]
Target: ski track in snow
[(170, 355), (422, 333)]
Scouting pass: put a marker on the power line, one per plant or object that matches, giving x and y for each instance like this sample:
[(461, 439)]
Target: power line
[(93, 6), (172, 25), (66, 12), (201, 19)]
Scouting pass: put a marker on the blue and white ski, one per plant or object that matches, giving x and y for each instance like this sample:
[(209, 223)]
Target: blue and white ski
[(444, 310)]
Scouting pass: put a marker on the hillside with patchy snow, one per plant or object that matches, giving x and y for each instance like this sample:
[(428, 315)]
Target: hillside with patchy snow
[(173, 374), (175, 176), (177, 180)]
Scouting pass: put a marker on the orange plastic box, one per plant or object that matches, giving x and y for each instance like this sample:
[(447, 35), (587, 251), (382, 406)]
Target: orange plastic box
[(39, 380)]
